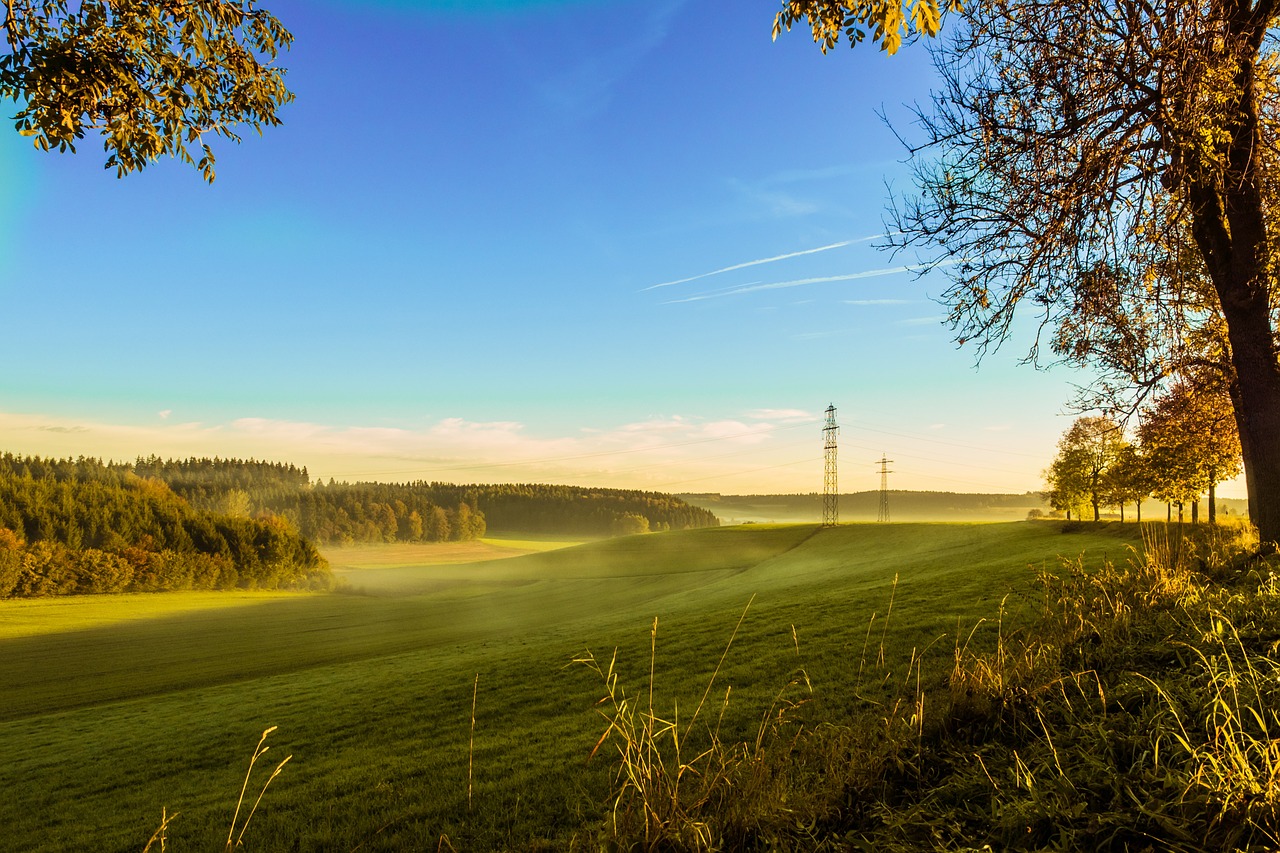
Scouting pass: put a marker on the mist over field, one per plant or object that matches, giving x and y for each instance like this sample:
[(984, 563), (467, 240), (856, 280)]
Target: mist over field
[(907, 506)]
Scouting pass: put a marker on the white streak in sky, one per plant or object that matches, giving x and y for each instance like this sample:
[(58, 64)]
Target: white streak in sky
[(763, 261), (778, 285)]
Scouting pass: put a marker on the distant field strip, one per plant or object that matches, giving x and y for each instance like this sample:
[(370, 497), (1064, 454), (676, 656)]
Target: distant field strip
[(363, 556)]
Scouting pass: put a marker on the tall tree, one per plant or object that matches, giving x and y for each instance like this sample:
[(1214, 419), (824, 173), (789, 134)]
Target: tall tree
[(1189, 436), (1129, 479), (1067, 480), (1079, 473), (1074, 147), (154, 78)]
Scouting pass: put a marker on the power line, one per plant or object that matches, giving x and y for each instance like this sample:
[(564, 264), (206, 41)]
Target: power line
[(808, 461), (950, 443)]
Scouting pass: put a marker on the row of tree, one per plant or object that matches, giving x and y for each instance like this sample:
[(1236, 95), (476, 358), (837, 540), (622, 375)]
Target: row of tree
[(1186, 444), (419, 511), (342, 513), (540, 508)]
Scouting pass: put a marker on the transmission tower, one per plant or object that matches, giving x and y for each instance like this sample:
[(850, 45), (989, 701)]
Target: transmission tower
[(884, 463), (830, 494)]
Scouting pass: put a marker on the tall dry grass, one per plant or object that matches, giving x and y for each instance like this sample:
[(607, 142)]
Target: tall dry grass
[(1132, 707), (235, 839)]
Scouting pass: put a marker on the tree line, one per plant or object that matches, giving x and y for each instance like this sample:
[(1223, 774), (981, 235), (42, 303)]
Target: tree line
[(419, 511), (364, 512), (539, 508), (84, 526), (1186, 444)]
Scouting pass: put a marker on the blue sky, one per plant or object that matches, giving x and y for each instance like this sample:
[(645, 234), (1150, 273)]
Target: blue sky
[(610, 243)]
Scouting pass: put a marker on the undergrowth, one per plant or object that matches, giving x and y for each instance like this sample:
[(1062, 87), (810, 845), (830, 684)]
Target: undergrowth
[(1128, 708)]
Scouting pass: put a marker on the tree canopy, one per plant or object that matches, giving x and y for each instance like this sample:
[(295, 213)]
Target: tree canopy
[(887, 22), (1190, 439), (1087, 453), (154, 78)]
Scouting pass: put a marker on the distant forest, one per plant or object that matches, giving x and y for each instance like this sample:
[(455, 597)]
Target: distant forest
[(345, 513), (83, 526), (79, 526)]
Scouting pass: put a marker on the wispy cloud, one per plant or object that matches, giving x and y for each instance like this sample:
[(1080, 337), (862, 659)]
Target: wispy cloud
[(785, 415), (934, 320), (880, 301), (814, 336), (759, 261), (776, 203), (634, 454), (797, 282), (763, 450)]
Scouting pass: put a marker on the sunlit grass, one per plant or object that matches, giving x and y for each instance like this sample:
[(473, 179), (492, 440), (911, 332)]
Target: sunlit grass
[(400, 555), (373, 694), (36, 616)]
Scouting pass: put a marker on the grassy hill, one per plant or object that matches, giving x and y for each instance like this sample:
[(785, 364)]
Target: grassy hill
[(118, 706)]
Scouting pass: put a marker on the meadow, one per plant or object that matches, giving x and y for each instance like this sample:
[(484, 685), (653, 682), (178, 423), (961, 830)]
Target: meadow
[(433, 704)]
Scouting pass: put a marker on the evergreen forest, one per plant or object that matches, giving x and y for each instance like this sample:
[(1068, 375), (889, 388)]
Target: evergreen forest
[(84, 526), (89, 526), (345, 513)]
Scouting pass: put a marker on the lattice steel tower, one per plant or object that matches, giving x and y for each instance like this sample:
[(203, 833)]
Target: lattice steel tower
[(830, 492), (884, 463)]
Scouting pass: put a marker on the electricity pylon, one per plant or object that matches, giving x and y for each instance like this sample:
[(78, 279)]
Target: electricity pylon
[(830, 492), (883, 515)]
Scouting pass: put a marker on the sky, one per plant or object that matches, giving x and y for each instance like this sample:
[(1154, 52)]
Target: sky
[(622, 244)]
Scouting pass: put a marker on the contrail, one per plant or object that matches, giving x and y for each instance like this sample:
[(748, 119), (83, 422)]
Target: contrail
[(779, 285), (763, 261)]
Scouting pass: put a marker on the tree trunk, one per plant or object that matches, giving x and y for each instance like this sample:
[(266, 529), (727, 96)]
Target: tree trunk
[(1122, 512), (1139, 511), (1230, 229), (1213, 506), (1095, 509), (1195, 511), (1168, 513), (1258, 418), (1179, 512)]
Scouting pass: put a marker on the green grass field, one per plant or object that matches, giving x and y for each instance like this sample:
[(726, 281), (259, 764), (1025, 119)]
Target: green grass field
[(117, 706)]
